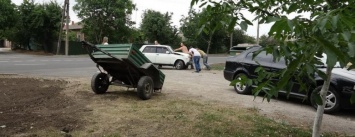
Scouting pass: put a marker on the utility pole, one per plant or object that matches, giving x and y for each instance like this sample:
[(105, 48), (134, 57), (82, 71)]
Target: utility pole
[(67, 29), (257, 34), (65, 13)]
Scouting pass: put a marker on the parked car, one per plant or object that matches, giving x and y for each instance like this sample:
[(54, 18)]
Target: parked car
[(338, 97), (163, 55)]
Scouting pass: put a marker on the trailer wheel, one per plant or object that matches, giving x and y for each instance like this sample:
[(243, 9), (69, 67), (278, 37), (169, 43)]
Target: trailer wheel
[(145, 87), (100, 83)]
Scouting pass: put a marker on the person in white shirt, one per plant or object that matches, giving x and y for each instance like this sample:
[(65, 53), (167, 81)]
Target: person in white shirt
[(196, 58), (105, 41)]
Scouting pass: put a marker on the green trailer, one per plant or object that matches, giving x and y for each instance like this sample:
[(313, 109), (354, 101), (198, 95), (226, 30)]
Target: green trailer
[(123, 65)]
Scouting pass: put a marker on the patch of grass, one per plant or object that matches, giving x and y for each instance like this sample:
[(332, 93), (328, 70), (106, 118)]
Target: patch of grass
[(218, 66), (164, 116)]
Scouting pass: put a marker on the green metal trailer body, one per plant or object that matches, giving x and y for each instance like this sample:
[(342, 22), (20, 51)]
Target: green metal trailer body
[(125, 63)]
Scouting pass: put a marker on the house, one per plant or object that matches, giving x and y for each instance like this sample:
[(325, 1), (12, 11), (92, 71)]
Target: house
[(76, 27)]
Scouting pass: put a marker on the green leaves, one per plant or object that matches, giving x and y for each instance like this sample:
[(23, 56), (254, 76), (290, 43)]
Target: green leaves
[(243, 25), (106, 18), (292, 8), (317, 98), (351, 47)]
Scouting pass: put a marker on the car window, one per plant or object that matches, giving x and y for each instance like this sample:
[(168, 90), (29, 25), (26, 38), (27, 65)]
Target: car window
[(149, 49), (162, 50), (260, 57)]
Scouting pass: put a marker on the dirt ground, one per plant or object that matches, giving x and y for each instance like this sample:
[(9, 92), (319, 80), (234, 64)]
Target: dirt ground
[(30, 104)]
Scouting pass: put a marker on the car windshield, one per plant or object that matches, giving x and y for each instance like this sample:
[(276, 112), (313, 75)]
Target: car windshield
[(170, 50), (324, 60)]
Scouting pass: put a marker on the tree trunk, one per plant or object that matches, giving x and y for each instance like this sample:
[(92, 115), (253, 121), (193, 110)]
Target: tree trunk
[(320, 110), (209, 44), (231, 41)]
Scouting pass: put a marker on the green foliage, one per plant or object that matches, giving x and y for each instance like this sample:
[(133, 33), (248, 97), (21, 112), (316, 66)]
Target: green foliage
[(157, 26), (220, 40), (8, 17), (37, 24), (267, 41), (105, 18)]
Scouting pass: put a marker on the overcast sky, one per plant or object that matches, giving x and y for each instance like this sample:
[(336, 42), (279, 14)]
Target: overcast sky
[(177, 7)]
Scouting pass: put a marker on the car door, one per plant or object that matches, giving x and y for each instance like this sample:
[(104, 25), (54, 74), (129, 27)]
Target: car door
[(150, 53), (263, 59), (164, 56)]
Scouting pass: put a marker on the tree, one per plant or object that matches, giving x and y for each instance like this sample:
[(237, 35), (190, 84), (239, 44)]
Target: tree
[(8, 17), (239, 36), (46, 24), (266, 40), (105, 18), (24, 29), (329, 30), (157, 26), (38, 24), (220, 38)]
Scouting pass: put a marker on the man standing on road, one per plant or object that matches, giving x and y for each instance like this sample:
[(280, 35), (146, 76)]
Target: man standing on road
[(183, 48), (196, 56), (204, 58)]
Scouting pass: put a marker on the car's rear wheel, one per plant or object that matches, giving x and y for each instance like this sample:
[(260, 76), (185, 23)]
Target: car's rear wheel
[(332, 102), (239, 87), (179, 65)]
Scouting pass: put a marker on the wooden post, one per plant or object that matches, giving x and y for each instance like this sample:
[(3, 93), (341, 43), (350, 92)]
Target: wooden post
[(61, 27), (67, 29)]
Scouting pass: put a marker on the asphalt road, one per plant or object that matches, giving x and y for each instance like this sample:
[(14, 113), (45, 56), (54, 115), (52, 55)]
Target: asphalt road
[(56, 65)]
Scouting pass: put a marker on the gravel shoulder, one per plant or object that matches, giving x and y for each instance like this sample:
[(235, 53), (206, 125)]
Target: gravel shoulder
[(211, 85)]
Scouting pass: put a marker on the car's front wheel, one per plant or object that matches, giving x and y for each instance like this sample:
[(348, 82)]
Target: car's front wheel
[(239, 87), (179, 65), (332, 100)]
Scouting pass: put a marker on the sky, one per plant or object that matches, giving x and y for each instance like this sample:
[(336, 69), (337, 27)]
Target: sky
[(177, 7)]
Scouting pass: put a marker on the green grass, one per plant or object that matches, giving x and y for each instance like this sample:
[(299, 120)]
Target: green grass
[(217, 66), (187, 117)]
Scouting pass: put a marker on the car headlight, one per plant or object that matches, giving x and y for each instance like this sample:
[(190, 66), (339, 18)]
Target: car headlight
[(354, 87)]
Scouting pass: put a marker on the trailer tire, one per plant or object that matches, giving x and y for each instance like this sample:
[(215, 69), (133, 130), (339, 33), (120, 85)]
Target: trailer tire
[(145, 87), (100, 83)]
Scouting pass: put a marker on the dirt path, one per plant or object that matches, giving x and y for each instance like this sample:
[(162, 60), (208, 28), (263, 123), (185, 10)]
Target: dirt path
[(211, 85)]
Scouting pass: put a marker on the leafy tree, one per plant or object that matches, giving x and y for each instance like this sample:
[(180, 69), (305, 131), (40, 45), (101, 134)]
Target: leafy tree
[(211, 26), (105, 18), (220, 38), (46, 24), (329, 30), (157, 26), (38, 24), (239, 36), (8, 17), (265, 40), (24, 30)]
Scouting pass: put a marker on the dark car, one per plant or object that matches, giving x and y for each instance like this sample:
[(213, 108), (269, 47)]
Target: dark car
[(338, 97)]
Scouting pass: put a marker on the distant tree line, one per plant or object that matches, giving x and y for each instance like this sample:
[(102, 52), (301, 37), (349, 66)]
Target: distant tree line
[(37, 25)]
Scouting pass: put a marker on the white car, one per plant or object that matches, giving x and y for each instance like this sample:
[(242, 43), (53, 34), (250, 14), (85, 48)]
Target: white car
[(163, 55)]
